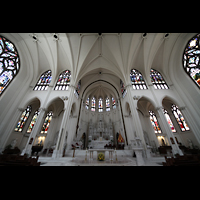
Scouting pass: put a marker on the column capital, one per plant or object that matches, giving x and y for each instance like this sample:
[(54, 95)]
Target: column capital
[(158, 108), (21, 109), (42, 109), (182, 108), (64, 98), (136, 97)]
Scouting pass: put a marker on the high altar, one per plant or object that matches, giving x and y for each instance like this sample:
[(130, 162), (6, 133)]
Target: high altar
[(100, 134)]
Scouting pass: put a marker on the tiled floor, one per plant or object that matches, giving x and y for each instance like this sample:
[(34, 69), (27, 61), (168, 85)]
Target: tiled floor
[(124, 158)]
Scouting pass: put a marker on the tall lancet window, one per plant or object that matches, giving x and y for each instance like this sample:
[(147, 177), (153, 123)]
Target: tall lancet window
[(44, 81), (154, 122), (100, 105), (169, 120), (107, 104), (157, 80), (113, 103), (31, 125), (23, 119), (180, 119), (47, 122), (63, 81), (77, 90), (191, 56), (123, 90), (9, 63), (87, 103), (137, 80), (93, 104)]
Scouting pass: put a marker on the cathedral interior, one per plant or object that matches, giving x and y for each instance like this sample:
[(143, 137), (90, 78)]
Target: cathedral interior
[(65, 91)]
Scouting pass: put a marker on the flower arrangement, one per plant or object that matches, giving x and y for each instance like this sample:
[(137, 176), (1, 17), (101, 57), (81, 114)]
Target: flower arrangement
[(101, 157)]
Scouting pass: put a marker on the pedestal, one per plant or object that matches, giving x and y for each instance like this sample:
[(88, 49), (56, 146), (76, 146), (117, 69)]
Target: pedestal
[(138, 153), (149, 151)]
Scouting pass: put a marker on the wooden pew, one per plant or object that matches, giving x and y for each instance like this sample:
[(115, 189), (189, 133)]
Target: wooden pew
[(185, 160), (16, 160)]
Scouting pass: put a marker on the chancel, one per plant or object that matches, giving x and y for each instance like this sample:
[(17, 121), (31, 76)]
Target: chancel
[(100, 98)]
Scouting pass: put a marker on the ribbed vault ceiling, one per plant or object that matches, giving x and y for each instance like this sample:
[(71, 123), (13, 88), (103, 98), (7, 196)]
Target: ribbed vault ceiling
[(87, 54)]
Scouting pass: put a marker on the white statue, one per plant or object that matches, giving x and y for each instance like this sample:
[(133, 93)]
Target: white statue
[(37, 141), (13, 143), (23, 151), (190, 143)]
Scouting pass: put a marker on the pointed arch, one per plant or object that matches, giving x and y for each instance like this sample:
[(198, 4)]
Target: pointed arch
[(179, 118), (158, 80), (107, 104), (100, 104), (9, 63), (154, 122), (63, 81), (23, 119), (44, 81), (191, 58), (137, 80), (93, 104)]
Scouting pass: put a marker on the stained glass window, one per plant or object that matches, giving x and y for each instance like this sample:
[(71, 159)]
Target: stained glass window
[(137, 80), (47, 122), (23, 119), (169, 120), (9, 63), (191, 59), (107, 104), (180, 119), (87, 103), (123, 90), (31, 125), (100, 105), (157, 80), (77, 90), (113, 103), (93, 104), (154, 122), (44, 81), (63, 81)]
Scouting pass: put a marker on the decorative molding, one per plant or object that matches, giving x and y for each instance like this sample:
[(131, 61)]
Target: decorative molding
[(136, 97)]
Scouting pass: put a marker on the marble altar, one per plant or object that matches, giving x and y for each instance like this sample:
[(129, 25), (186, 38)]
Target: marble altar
[(100, 133)]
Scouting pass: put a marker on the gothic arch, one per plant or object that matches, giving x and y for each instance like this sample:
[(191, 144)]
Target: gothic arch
[(56, 105), (34, 102)]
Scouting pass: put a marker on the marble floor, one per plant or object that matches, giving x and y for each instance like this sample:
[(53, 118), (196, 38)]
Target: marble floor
[(124, 158)]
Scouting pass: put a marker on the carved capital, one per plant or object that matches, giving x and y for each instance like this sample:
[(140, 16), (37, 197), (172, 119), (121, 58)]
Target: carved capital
[(64, 98), (158, 108), (136, 97), (182, 108), (42, 109), (21, 109)]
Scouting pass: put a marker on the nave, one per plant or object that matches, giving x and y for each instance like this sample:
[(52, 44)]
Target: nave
[(124, 158)]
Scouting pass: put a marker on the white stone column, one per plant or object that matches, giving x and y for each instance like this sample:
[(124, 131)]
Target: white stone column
[(36, 129), (56, 152), (136, 120), (167, 129)]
